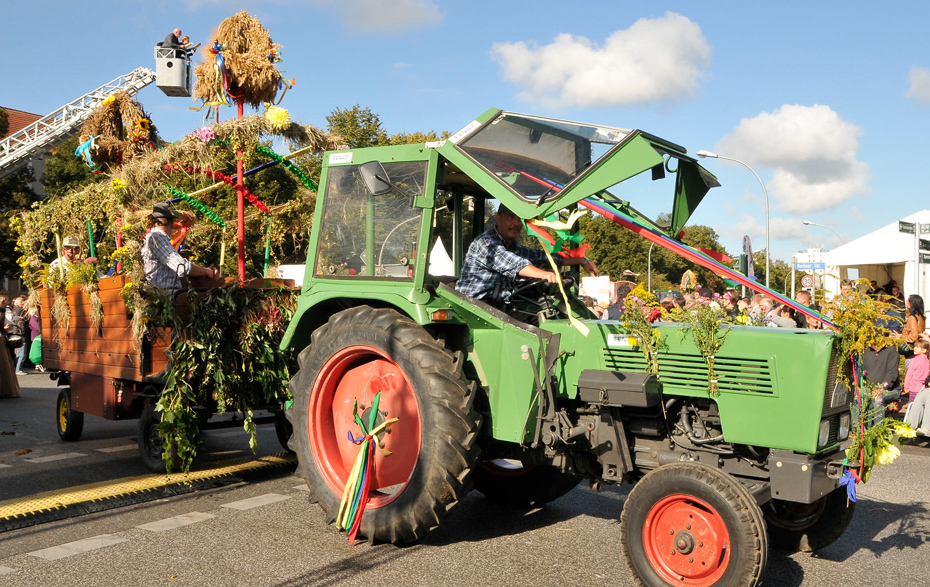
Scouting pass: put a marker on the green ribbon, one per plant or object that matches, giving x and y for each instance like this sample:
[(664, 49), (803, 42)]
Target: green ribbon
[(197, 204)]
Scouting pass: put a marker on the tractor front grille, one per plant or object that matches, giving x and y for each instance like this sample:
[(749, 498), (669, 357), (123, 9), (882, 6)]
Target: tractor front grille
[(690, 372)]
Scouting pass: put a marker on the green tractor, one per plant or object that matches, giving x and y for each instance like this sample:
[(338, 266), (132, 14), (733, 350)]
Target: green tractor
[(522, 405)]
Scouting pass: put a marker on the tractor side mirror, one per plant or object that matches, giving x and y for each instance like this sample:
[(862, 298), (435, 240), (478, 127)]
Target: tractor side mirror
[(375, 178)]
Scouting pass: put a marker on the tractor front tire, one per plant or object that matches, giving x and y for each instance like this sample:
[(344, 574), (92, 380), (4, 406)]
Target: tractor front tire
[(423, 462), (691, 524), (808, 527), (512, 483)]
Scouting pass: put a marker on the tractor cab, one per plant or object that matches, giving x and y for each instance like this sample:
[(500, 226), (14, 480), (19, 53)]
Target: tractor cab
[(172, 71)]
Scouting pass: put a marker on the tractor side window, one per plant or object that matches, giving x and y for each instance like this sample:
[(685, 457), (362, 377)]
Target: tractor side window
[(370, 236)]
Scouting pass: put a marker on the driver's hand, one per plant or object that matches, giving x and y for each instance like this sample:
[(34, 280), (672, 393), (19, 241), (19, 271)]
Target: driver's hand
[(551, 277), (591, 268)]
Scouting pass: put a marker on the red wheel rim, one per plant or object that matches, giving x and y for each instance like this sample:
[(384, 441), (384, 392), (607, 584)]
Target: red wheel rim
[(359, 373), (686, 541)]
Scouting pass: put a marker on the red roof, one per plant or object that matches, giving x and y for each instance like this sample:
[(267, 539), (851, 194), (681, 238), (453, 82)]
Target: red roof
[(19, 120)]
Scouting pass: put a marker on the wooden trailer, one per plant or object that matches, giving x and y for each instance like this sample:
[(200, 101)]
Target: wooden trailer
[(103, 371)]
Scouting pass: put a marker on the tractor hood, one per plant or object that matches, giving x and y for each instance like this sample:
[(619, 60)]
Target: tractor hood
[(537, 166)]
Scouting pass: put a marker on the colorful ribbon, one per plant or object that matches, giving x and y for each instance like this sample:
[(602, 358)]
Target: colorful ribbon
[(289, 165), (198, 205), (355, 495), (216, 175)]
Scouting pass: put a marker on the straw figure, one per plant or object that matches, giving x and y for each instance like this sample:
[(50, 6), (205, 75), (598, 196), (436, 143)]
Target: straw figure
[(239, 64), (121, 131)]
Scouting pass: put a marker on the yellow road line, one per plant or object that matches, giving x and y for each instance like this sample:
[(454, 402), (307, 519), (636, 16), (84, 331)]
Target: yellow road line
[(52, 500)]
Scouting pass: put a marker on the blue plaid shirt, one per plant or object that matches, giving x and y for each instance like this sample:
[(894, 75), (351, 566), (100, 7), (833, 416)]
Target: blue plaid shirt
[(490, 262), (162, 264)]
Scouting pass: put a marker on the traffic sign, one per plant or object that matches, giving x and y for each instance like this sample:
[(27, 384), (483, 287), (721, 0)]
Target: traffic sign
[(810, 266), (923, 244), (908, 227), (807, 281), (925, 229), (924, 257)]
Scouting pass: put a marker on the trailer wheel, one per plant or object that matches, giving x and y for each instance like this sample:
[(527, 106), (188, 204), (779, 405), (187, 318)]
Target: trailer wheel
[(151, 448), (359, 352), (510, 482), (690, 524), (283, 430), (70, 423), (800, 527)]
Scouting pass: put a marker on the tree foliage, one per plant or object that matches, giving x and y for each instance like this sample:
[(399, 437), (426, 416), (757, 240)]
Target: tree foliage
[(65, 172), (615, 249), (4, 122), (15, 196)]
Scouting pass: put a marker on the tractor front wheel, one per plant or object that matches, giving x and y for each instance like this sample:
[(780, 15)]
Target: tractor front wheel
[(798, 527), (422, 463), (690, 524)]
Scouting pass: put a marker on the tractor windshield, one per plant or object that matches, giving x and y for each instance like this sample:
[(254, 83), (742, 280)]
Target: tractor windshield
[(538, 156)]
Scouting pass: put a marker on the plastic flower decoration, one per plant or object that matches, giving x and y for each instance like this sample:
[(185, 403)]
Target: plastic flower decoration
[(205, 134), (278, 117)]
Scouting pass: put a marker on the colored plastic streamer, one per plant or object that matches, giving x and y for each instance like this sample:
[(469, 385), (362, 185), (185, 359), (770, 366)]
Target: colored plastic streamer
[(355, 495), (223, 178), (198, 205), (677, 247), (289, 165)]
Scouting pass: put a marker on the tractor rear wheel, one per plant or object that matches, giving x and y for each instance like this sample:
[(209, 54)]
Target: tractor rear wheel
[(362, 351), (513, 483), (800, 527), (690, 524)]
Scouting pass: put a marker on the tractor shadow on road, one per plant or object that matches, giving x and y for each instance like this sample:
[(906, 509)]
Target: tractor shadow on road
[(902, 527)]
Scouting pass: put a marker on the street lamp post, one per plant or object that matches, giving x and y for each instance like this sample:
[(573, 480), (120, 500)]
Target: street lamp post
[(809, 223), (707, 154)]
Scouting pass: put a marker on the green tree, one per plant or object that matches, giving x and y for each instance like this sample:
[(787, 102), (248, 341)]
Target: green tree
[(15, 196), (4, 122), (65, 172)]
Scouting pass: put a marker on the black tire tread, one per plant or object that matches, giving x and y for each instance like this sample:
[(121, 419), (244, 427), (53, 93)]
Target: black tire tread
[(676, 475), (446, 474)]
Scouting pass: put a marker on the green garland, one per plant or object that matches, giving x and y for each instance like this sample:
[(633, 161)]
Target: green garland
[(195, 203), (289, 165)]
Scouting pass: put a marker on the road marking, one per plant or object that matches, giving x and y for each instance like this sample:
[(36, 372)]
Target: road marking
[(6, 570), (77, 547), (61, 457), (176, 522), (119, 448), (303, 487), (254, 502), (2, 466)]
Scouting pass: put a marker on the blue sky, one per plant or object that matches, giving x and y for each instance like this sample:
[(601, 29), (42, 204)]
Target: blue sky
[(829, 102)]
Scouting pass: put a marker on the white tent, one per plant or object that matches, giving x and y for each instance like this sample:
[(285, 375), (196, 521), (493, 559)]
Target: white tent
[(883, 255)]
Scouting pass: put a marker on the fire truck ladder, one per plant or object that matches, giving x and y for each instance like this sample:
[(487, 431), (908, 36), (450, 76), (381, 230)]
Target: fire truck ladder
[(55, 128)]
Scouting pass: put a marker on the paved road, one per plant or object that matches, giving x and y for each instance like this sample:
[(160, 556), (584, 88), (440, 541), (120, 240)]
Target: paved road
[(266, 533)]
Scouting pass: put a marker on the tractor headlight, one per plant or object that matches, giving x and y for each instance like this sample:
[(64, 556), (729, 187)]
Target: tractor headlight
[(840, 395), (843, 432), (824, 433)]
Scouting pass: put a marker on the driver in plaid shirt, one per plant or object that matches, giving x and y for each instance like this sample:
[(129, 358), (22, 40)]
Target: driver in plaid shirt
[(495, 259), (163, 266)]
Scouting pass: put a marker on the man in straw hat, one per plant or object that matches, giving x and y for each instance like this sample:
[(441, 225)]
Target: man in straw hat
[(69, 248), (495, 262), (163, 266)]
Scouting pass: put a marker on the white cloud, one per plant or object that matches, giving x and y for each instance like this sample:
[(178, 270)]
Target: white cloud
[(655, 59), (385, 16), (780, 228), (920, 84), (811, 151)]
